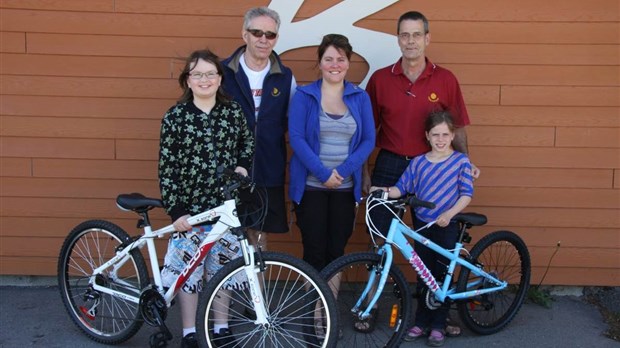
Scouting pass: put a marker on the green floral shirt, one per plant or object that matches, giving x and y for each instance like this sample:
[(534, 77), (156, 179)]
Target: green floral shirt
[(192, 145)]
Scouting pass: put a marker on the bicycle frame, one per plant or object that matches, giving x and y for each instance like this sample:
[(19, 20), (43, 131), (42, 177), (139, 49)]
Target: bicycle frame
[(397, 235), (227, 221)]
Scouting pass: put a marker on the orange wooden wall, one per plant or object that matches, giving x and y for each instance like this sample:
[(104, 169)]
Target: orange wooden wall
[(84, 85)]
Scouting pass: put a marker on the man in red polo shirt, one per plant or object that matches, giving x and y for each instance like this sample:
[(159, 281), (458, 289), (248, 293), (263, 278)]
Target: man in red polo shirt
[(403, 95)]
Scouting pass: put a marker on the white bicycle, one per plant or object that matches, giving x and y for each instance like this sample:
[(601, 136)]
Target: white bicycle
[(106, 289)]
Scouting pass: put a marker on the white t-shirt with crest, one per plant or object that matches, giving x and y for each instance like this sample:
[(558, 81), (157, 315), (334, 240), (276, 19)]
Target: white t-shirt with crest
[(256, 79)]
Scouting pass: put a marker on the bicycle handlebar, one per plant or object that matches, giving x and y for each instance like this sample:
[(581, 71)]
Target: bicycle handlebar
[(414, 201), (244, 181), (411, 201)]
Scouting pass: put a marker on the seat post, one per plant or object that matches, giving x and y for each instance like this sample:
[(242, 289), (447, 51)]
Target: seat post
[(464, 237), (144, 220)]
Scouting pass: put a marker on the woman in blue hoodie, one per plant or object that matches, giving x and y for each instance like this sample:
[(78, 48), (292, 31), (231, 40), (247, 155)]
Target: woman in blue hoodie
[(332, 133)]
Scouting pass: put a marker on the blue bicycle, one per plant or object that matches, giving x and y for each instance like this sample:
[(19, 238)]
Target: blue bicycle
[(492, 282)]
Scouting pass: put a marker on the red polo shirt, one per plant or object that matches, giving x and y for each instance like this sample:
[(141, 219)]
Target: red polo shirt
[(400, 107)]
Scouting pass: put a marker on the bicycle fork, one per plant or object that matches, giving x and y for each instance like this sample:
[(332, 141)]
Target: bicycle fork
[(251, 272), (374, 288)]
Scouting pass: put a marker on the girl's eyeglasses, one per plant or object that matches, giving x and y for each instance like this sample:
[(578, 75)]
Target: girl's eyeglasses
[(211, 75)]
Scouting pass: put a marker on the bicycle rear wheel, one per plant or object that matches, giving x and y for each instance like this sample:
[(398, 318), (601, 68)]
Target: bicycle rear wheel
[(102, 317), (393, 310), (295, 298), (504, 255)]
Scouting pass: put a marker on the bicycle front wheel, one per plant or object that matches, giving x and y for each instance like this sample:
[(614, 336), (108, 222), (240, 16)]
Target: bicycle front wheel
[(104, 318), (504, 255), (348, 276), (299, 305)]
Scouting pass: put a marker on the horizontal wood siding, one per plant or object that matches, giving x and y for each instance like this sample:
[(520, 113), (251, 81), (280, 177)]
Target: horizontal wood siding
[(84, 84)]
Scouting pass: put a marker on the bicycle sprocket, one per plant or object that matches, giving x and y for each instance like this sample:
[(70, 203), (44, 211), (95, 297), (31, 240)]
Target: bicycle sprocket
[(153, 307)]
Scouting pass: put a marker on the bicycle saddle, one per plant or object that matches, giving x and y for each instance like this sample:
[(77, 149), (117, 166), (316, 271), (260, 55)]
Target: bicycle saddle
[(470, 219), (137, 202)]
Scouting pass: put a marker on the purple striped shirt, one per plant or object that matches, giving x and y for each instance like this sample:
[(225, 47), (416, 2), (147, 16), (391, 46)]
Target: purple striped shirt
[(442, 183)]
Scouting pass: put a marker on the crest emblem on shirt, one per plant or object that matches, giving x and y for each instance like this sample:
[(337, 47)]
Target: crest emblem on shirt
[(275, 92), (433, 98)]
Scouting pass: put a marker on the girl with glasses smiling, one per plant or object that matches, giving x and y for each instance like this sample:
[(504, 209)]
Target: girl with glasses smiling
[(191, 148)]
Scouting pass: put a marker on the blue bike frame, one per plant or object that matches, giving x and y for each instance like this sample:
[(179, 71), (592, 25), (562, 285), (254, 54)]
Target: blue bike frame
[(397, 236)]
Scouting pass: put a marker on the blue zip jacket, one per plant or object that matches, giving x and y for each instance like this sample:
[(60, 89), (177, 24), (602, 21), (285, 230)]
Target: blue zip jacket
[(269, 164), (304, 131)]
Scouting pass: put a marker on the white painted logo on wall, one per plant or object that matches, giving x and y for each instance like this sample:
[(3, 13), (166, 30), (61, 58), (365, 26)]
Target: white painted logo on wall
[(378, 49)]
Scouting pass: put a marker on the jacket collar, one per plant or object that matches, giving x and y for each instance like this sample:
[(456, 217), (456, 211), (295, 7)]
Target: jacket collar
[(397, 68), (234, 64)]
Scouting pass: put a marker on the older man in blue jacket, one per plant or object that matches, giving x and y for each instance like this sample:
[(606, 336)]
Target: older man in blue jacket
[(256, 78)]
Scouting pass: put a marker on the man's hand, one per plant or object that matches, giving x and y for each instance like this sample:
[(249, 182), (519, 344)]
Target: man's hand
[(366, 182), (475, 171)]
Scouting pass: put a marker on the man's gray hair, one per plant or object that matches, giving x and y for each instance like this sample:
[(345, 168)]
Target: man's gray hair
[(259, 12)]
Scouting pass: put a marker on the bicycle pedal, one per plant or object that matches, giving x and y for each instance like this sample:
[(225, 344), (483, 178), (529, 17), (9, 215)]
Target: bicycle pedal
[(159, 340)]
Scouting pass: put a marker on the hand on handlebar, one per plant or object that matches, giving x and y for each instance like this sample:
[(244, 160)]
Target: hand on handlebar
[(378, 192), (181, 224), (240, 174), (242, 171)]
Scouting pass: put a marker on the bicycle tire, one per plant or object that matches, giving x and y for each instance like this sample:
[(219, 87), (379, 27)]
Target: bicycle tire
[(292, 290), (353, 270), (112, 320), (504, 254)]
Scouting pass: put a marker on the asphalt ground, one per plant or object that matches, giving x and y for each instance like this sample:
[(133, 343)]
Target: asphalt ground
[(34, 316)]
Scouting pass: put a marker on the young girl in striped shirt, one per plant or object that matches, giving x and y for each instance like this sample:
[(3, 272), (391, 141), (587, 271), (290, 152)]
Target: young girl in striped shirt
[(442, 176)]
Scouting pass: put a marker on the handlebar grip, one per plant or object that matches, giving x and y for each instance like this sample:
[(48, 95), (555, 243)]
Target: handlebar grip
[(378, 194), (223, 170), (414, 201)]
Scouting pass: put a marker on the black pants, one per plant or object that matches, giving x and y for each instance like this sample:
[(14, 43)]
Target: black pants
[(446, 237), (325, 219)]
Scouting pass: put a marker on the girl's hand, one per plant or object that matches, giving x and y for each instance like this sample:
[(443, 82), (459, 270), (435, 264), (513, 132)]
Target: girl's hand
[(181, 224), (241, 171), (444, 219)]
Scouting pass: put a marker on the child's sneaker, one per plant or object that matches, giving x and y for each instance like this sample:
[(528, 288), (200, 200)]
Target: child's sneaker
[(436, 338), (189, 341), (224, 339), (414, 333)]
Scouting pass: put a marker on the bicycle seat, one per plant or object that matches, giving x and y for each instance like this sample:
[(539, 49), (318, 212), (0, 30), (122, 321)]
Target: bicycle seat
[(470, 219), (137, 202)]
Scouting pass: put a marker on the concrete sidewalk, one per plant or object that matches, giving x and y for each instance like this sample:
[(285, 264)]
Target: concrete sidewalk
[(34, 316)]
